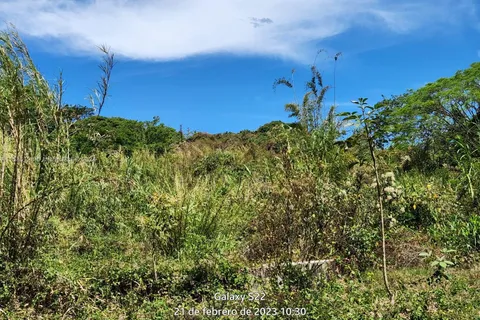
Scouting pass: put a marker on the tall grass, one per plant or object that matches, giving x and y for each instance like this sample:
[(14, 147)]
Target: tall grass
[(111, 235), (33, 136)]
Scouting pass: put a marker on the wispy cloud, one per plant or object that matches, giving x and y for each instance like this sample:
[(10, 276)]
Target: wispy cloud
[(174, 29), (258, 22)]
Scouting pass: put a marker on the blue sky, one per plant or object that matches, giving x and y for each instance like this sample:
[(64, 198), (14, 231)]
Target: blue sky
[(209, 65)]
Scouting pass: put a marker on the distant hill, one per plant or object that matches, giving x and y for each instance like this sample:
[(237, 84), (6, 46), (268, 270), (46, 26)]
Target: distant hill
[(103, 133)]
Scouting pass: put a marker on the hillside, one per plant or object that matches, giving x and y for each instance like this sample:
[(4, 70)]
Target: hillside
[(111, 218)]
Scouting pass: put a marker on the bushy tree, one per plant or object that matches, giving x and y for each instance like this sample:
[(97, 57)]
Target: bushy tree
[(102, 133), (158, 137), (435, 116)]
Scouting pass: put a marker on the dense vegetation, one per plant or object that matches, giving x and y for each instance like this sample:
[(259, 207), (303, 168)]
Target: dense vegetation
[(108, 218), (107, 134)]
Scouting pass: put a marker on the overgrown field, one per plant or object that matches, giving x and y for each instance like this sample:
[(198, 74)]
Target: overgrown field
[(153, 224)]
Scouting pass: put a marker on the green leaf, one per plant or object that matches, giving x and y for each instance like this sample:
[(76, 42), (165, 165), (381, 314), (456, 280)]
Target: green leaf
[(424, 254), (442, 264), (352, 117), (448, 250)]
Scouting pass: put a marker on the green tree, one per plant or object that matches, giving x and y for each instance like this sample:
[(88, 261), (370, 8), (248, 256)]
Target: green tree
[(158, 137), (103, 133), (72, 113), (434, 116)]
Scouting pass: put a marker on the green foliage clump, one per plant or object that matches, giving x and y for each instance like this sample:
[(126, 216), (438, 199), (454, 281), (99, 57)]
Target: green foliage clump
[(220, 162), (108, 134)]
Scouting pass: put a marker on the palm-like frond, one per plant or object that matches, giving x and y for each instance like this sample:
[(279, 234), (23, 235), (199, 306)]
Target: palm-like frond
[(282, 81), (312, 84), (317, 76), (294, 110), (331, 114), (306, 99), (309, 112), (321, 96)]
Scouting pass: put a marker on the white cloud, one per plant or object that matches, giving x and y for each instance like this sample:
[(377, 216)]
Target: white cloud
[(175, 29)]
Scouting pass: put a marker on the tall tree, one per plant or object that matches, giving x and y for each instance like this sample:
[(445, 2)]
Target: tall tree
[(436, 115)]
